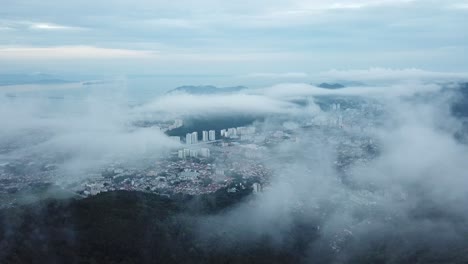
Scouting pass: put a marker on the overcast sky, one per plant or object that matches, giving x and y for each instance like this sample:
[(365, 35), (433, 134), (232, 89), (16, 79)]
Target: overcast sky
[(263, 37)]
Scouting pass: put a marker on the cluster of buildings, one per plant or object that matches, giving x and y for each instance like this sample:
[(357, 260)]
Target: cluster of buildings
[(192, 138), (192, 170), (176, 176), (207, 136), (163, 126), (193, 153), (237, 132)]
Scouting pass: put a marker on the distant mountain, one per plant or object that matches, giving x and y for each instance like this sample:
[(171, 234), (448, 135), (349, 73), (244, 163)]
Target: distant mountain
[(331, 86), (206, 89), (98, 82), (21, 79)]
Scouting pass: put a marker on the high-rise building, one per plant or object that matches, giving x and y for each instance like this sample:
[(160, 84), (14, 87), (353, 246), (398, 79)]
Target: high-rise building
[(205, 136), (205, 152), (257, 187), (186, 153), (193, 153), (223, 133), (188, 139), (234, 132), (194, 137), (181, 154), (175, 138), (212, 135)]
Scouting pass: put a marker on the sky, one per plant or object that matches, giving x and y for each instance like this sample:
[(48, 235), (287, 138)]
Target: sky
[(282, 39)]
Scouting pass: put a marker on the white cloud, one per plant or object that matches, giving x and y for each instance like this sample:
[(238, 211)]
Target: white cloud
[(392, 75), (70, 52), (51, 26), (184, 104), (277, 75)]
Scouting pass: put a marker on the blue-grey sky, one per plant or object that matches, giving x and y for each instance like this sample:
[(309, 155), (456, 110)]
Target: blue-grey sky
[(251, 38)]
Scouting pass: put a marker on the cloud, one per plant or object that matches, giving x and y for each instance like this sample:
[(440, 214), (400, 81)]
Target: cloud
[(204, 105), (393, 75), (70, 52), (277, 75), (271, 36), (80, 135), (410, 191), (50, 26)]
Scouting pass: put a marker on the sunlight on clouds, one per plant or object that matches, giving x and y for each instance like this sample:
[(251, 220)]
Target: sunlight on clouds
[(50, 26)]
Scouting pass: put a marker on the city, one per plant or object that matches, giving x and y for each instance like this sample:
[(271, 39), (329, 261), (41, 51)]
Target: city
[(203, 164)]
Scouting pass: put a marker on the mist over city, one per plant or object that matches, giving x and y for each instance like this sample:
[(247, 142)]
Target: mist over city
[(247, 132)]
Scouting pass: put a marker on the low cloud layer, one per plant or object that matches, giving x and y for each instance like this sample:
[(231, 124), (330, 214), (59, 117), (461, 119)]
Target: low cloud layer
[(85, 134), (410, 197)]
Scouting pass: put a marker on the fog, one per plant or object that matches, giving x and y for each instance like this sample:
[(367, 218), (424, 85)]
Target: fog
[(85, 134), (411, 196)]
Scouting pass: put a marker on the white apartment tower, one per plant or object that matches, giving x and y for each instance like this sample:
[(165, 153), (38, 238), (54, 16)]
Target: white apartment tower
[(205, 136), (181, 154), (188, 139), (212, 135), (194, 137)]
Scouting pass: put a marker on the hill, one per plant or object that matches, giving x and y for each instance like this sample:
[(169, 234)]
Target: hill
[(22, 79), (331, 86), (123, 227)]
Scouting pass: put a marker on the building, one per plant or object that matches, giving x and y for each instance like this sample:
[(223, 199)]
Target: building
[(245, 130), (257, 187), (186, 153), (180, 154), (223, 132), (193, 153), (194, 137), (188, 139), (178, 123), (232, 132), (340, 121), (212, 135), (188, 175), (205, 152), (205, 136), (175, 139)]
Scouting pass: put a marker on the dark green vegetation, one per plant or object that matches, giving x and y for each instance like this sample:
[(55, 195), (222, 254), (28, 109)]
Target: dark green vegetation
[(136, 227), (123, 227), (212, 123)]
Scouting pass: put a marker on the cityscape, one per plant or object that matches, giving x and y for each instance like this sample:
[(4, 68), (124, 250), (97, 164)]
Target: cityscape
[(234, 132), (203, 164)]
